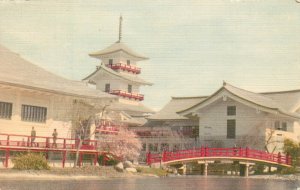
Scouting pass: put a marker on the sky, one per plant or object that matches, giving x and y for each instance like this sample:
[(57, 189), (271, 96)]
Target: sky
[(193, 45)]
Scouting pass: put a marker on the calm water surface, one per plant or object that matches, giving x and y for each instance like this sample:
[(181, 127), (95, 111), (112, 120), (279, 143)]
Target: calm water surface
[(171, 183)]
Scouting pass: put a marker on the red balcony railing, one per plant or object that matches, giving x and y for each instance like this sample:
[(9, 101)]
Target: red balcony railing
[(135, 96), (124, 67)]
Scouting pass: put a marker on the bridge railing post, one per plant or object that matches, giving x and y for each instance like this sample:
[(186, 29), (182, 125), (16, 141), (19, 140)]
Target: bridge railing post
[(7, 142), (247, 152), (148, 158), (287, 159), (240, 152), (205, 151), (201, 151), (279, 158)]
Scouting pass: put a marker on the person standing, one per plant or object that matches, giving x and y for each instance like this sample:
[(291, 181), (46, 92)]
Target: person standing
[(33, 135), (54, 135)]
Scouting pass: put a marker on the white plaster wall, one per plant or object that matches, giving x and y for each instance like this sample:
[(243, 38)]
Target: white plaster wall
[(58, 110), (213, 118), (115, 84)]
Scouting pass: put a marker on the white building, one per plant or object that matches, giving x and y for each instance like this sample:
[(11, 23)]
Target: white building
[(233, 116), (31, 96)]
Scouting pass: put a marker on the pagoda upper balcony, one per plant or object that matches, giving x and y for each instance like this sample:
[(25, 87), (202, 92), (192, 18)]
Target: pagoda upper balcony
[(124, 94), (125, 67)]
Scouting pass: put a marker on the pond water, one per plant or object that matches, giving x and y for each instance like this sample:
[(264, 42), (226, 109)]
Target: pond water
[(169, 183)]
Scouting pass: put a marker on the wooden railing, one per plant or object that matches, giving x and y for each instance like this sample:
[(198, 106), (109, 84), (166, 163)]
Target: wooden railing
[(125, 67), (25, 142), (135, 96), (205, 152)]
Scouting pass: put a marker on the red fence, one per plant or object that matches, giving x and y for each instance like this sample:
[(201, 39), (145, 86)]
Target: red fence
[(25, 142), (205, 152)]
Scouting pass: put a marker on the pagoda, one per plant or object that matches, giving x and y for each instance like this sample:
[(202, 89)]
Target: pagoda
[(118, 74)]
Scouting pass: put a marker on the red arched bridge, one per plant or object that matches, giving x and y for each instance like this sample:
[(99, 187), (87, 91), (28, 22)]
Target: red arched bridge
[(205, 153), (20, 143)]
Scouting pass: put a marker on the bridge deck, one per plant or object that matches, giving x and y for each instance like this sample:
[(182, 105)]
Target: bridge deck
[(205, 153)]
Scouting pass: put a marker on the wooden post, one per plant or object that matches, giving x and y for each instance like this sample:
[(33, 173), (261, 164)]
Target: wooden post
[(80, 159), (7, 142), (65, 144), (47, 142), (287, 159), (64, 158), (247, 170), (6, 157), (205, 168), (96, 159)]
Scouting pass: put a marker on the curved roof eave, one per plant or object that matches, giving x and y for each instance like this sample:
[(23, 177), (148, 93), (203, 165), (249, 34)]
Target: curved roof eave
[(115, 74)]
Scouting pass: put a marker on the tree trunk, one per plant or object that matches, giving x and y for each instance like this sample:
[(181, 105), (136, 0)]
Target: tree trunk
[(77, 153)]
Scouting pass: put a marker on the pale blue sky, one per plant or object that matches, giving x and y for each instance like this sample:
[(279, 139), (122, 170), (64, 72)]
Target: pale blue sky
[(193, 45)]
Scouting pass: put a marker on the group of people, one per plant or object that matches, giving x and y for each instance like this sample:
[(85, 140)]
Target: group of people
[(33, 136)]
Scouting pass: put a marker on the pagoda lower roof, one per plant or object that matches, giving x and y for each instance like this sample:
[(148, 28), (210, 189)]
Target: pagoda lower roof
[(128, 77)]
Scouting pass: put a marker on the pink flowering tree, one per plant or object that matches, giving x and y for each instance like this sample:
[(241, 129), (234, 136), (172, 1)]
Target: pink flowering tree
[(124, 145)]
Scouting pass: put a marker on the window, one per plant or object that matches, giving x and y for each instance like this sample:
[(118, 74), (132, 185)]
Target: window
[(34, 114), (150, 147), (277, 125), (164, 147), (129, 88), (128, 62), (110, 61), (144, 147), (107, 87), (231, 110), (5, 110), (284, 126), (231, 129)]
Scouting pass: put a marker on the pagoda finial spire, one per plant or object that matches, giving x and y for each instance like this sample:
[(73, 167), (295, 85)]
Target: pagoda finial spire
[(120, 29)]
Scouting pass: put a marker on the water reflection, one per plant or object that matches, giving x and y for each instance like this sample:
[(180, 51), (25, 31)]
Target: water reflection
[(171, 183)]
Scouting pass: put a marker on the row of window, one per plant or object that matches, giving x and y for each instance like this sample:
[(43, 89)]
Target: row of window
[(28, 113), (107, 88), (153, 147), (111, 62)]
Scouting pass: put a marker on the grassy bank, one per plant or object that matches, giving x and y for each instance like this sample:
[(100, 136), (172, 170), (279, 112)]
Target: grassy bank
[(86, 172)]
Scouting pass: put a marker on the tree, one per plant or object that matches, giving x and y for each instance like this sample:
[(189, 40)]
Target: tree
[(124, 145), (83, 117), (293, 149)]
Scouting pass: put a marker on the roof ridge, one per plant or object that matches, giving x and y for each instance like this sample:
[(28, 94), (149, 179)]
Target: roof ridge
[(188, 97), (280, 92)]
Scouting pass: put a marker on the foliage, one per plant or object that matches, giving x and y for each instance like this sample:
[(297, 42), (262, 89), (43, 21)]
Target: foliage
[(124, 145), (154, 171), (293, 149), (107, 159), (30, 161)]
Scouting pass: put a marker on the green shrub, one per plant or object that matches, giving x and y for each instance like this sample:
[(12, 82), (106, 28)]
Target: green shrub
[(30, 161), (107, 159)]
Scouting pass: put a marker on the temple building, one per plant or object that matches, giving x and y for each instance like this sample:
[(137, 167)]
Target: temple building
[(229, 117), (118, 74), (33, 97)]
